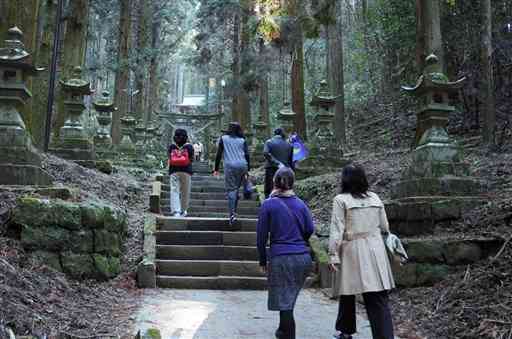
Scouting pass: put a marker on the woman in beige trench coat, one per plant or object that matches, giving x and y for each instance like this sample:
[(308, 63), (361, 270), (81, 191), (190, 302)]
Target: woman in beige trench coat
[(358, 255)]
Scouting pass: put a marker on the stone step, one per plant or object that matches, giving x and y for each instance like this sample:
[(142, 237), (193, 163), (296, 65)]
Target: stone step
[(212, 283), (199, 178), (205, 238), (216, 196), (224, 209), (208, 268), (205, 224), (199, 189), (219, 215), (206, 252), (216, 203)]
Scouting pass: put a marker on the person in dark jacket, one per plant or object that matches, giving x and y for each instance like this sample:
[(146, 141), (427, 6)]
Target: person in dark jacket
[(233, 149), (278, 153), (287, 221), (180, 175)]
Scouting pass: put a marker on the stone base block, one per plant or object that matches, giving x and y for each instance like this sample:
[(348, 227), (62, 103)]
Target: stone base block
[(419, 215), (445, 186), (11, 174), (146, 275)]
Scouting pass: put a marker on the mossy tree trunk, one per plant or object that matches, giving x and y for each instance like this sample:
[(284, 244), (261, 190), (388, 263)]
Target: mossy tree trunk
[(153, 100), (123, 70), (297, 76), (335, 74), (143, 38), (72, 51), (43, 58), (488, 101), (429, 38), (235, 69)]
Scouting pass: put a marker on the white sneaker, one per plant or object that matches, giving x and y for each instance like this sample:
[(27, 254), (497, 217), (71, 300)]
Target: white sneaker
[(176, 214), (184, 214)]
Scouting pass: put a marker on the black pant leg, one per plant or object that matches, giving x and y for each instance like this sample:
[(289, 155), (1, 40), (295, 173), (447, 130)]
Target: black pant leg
[(286, 325), (269, 180), (346, 320), (379, 314)]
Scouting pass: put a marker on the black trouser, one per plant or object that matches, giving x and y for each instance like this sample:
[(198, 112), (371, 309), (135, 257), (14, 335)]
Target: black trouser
[(286, 328), (269, 180), (377, 308)]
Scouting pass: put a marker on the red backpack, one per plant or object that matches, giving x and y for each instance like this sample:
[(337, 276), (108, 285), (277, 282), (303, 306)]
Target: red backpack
[(179, 157)]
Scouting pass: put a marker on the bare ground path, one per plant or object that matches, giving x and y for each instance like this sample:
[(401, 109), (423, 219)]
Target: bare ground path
[(206, 314)]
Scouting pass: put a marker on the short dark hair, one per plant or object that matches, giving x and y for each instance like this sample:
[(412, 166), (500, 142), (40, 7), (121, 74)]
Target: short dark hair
[(235, 130), (284, 179), (353, 181), (180, 136), (279, 131)]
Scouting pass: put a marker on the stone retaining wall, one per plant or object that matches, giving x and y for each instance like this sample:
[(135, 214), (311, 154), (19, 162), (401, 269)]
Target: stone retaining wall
[(84, 240)]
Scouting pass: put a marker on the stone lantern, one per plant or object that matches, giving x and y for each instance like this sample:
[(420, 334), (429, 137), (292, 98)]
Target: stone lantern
[(433, 89), (140, 135), (74, 143), (437, 186), (286, 118), (323, 102), (261, 135), (105, 107), (20, 163), (127, 147), (150, 137)]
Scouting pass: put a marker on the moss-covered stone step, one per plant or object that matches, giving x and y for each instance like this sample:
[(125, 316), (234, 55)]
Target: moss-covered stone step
[(206, 268), (207, 252), (212, 283), (206, 238)]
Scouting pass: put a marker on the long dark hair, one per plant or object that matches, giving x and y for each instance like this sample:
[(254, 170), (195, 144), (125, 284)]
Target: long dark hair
[(180, 137), (353, 181), (235, 130), (284, 179)]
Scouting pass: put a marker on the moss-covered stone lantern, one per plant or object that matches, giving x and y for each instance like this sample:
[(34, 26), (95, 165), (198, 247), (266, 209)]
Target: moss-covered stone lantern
[(127, 147), (104, 106), (323, 102), (286, 118), (74, 143), (20, 163), (437, 185)]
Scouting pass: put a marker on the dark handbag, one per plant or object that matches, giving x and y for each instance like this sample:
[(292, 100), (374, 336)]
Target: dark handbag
[(248, 189)]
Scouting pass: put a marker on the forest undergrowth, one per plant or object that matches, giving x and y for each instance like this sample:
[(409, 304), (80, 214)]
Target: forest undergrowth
[(35, 299), (475, 301)]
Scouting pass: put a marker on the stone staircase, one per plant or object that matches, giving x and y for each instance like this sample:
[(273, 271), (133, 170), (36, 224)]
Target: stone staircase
[(203, 251)]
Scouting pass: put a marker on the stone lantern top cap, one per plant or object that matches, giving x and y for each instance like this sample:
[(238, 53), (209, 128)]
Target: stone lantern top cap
[(76, 84), (104, 103), (323, 97), (13, 54), (433, 79)]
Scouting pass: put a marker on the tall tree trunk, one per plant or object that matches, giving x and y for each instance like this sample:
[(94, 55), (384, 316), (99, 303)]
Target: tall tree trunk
[(43, 57), (235, 68), (73, 50), (335, 74), (420, 36), (297, 76), (264, 93), (244, 100), (153, 100), (488, 104), (123, 70), (429, 40), (143, 23)]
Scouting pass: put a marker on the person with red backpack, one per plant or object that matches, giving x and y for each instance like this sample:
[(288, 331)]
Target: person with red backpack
[(181, 156)]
